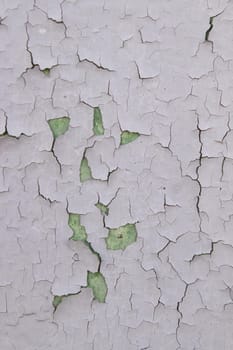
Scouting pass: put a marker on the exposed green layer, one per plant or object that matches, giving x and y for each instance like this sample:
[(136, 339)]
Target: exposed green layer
[(98, 127), (103, 208), (128, 136), (96, 282), (46, 71), (79, 231), (85, 170), (59, 126), (121, 237), (57, 300)]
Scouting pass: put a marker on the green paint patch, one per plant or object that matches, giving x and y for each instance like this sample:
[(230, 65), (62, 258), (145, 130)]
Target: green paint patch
[(103, 208), (121, 237), (46, 71), (85, 170), (97, 283), (128, 136), (59, 126), (57, 300), (79, 231), (98, 127)]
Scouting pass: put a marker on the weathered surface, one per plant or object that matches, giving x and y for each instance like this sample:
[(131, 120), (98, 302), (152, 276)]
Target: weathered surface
[(116, 175)]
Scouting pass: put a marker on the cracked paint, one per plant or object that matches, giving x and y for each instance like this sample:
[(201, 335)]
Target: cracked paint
[(85, 170), (59, 126), (46, 71), (79, 231), (97, 283), (56, 301), (98, 127), (107, 246), (103, 208), (121, 237), (128, 136)]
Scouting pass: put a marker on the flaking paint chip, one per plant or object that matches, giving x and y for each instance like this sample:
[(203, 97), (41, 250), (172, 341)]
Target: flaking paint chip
[(79, 231), (98, 127), (128, 136), (121, 237), (59, 126), (97, 283)]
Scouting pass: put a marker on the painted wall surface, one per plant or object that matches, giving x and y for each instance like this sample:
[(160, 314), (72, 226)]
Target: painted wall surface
[(116, 175)]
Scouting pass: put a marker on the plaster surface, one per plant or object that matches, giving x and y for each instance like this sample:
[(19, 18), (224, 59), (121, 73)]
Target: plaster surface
[(116, 175)]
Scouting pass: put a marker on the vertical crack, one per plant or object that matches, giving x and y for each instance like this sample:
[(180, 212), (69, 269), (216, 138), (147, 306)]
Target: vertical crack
[(198, 171), (27, 45), (180, 313), (211, 20), (209, 29)]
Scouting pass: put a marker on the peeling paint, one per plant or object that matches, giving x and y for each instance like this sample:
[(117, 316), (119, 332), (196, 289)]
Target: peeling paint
[(103, 208), (46, 71), (79, 231), (57, 301), (109, 246), (98, 127), (59, 126), (128, 136), (97, 283), (121, 237), (85, 170)]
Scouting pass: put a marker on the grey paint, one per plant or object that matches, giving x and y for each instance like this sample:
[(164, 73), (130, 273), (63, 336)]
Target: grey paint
[(163, 71)]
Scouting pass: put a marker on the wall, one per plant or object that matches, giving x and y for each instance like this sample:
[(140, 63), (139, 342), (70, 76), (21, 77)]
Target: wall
[(116, 163)]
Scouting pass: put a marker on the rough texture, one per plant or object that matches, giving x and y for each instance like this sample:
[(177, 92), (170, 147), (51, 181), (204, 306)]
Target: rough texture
[(146, 90)]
